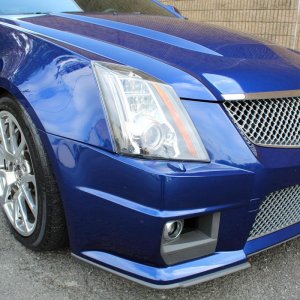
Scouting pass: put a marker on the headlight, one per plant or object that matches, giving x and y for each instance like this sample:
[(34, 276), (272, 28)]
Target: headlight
[(146, 117)]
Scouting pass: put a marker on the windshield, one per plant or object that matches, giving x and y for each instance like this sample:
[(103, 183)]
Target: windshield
[(18, 7)]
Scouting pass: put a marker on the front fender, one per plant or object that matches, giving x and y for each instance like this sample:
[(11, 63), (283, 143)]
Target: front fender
[(55, 85)]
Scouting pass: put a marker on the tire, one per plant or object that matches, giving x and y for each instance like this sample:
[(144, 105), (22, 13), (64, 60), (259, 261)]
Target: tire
[(28, 193)]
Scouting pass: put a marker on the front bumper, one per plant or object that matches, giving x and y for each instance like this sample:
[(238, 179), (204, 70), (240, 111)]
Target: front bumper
[(116, 207), (189, 273)]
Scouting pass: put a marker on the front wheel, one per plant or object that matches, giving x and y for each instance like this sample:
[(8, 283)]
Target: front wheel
[(28, 192)]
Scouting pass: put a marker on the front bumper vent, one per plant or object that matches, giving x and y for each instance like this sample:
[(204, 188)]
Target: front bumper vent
[(279, 210), (267, 122)]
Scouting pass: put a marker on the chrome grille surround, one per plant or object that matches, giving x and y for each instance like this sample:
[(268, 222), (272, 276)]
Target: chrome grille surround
[(279, 210), (268, 122)]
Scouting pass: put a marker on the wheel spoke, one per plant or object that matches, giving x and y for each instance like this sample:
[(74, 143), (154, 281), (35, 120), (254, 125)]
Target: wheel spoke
[(27, 178), (23, 212), (12, 137), (10, 150), (3, 187), (2, 156), (8, 156), (5, 143), (20, 147), (29, 200), (16, 209), (3, 135), (7, 179)]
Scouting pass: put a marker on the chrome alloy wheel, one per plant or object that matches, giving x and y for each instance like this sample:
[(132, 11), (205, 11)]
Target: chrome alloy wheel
[(18, 193)]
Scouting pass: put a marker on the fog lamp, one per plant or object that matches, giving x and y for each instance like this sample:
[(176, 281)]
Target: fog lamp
[(173, 229)]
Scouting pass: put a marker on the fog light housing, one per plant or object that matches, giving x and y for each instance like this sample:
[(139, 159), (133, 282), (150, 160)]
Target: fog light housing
[(191, 238), (173, 229)]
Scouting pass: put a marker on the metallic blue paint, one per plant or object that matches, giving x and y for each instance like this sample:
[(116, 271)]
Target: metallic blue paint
[(272, 239), (116, 206), (240, 63)]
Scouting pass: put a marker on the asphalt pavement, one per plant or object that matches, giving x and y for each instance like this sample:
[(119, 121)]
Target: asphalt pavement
[(275, 274)]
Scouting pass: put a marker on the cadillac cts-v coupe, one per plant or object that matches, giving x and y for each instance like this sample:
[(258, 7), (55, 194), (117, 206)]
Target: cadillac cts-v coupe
[(160, 149)]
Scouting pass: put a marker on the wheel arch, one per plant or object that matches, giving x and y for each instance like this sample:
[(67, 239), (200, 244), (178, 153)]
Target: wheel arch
[(9, 89)]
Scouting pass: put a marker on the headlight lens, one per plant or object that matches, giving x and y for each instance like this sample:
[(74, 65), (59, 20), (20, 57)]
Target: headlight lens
[(146, 117)]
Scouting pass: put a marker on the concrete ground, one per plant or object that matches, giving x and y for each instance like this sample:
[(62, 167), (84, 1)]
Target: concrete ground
[(275, 274)]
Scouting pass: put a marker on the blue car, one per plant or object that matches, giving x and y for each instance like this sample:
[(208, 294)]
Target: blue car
[(162, 150)]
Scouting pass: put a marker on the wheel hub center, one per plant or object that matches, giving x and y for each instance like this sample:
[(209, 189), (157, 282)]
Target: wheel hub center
[(21, 168), (19, 171)]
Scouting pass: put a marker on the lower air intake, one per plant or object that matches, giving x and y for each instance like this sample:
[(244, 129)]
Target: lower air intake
[(279, 210)]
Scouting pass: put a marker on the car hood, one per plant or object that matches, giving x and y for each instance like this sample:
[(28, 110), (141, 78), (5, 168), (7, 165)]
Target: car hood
[(201, 61)]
